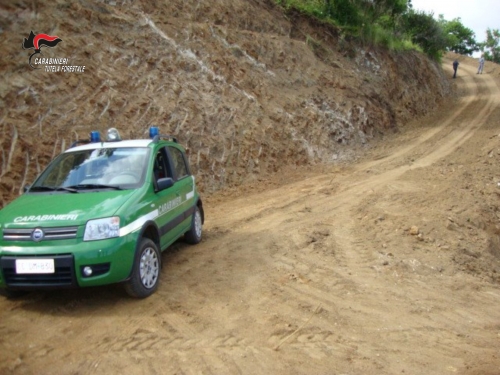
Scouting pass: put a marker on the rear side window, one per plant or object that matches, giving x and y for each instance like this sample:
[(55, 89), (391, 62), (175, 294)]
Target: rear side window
[(180, 167)]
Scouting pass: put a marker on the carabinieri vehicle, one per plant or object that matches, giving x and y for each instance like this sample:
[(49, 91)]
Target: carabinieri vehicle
[(101, 213)]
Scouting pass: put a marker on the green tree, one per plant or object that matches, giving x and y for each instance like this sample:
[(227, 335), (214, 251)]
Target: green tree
[(357, 12), (380, 8), (491, 46), (385, 13), (345, 12), (426, 32), (460, 39), (390, 23)]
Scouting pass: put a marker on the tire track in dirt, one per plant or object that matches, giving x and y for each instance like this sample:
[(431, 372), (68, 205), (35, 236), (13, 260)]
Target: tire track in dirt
[(304, 202), (474, 107), (306, 284), (477, 106)]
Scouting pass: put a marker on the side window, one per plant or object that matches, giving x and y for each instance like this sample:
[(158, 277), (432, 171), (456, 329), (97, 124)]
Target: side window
[(160, 165), (178, 162)]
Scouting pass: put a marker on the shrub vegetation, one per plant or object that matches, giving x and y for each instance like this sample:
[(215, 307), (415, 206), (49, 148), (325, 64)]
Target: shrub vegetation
[(395, 25)]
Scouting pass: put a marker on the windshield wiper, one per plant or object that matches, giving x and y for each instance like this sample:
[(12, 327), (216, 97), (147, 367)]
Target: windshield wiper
[(94, 186), (53, 188), (67, 188), (42, 188)]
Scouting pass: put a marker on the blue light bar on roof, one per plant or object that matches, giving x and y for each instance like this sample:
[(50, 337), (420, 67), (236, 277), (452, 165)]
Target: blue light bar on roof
[(153, 131), (95, 136)]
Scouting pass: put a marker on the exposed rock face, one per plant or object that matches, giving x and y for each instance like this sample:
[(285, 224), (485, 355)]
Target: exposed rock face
[(245, 88)]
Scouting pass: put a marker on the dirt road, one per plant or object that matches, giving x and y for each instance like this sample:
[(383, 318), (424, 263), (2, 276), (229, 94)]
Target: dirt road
[(390, 265)]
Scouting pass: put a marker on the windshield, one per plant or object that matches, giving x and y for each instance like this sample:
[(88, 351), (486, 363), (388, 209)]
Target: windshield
[(113, 168)]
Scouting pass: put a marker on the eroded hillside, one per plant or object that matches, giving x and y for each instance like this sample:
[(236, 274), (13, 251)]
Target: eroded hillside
[(247, 88)]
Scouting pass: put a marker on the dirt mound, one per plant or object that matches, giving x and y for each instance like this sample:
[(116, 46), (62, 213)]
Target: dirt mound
[(246, 88)]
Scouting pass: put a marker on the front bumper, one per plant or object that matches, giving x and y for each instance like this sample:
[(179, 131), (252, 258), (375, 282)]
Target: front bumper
[(110, 260)]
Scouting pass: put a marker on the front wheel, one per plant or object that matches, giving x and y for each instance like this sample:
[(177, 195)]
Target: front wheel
[(193, 235), (146, 270)]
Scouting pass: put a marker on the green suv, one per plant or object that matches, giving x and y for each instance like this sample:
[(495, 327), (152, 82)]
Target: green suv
[(101, 213)]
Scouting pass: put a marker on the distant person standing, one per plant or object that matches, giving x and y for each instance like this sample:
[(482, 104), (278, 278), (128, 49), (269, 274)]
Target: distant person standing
[(481, 65), (455, 67)]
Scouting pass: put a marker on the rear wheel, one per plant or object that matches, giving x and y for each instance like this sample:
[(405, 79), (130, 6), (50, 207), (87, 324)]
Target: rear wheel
[(193, 235), (146, 270)]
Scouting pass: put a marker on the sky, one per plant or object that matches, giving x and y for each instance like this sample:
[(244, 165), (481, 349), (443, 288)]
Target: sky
[(477, 15)]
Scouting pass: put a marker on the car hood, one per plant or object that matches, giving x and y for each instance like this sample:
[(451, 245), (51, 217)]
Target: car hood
[(61, 209)]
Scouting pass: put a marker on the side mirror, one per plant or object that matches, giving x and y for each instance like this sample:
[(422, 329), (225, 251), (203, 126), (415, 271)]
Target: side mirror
[(165, 183)]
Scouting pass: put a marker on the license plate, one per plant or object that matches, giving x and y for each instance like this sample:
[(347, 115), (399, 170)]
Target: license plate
[(35, 266)]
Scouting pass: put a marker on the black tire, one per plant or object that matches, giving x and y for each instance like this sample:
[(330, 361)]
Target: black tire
[(146, 270), (193, 235)]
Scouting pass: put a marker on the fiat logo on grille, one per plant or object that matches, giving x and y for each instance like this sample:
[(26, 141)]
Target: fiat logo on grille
[(37, 235)]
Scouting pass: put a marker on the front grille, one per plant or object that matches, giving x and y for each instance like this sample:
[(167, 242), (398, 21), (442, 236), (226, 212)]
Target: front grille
[(62, 233), (64, 275)]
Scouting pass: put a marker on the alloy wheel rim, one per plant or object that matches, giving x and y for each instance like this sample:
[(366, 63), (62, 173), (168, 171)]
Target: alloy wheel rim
[(149, 268), (197, 224)]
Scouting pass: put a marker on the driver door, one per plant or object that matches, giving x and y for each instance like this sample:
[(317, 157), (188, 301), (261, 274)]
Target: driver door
[(167, 200)]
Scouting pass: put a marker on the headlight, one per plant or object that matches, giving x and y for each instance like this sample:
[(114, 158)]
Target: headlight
[(101, 229)]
